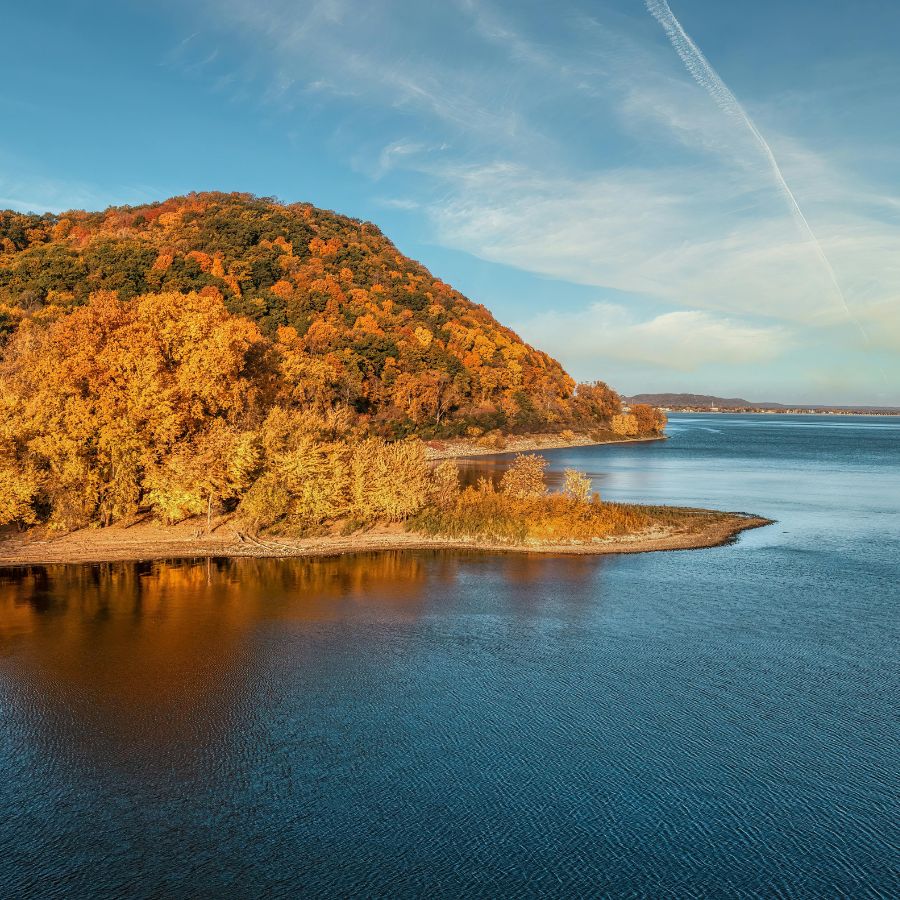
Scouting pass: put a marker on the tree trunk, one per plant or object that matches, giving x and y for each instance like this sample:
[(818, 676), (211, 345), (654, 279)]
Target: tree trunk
[(208, 511)]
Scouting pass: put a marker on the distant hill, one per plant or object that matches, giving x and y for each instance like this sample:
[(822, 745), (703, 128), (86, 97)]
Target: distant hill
[(700, 401), (709, 401)]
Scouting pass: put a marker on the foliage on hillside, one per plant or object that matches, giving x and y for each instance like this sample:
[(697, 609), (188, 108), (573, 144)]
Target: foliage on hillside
[(170, 402), (220, 352), (397, 345)]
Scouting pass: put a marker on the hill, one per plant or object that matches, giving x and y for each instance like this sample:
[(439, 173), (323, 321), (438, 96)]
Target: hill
[(220, 352), (707, 401), (400, 346), (699, 401)]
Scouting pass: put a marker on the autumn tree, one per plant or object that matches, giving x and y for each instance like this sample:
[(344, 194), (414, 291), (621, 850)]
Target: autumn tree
[(596, 402), (18, 487), (119, 390), (387, 481), (576, 485), (525, 476), (216, 466), (650, 420), (624, 424), (445, 482), (304, 478)]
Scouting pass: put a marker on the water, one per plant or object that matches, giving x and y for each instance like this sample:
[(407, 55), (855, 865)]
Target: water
[(706, 723)]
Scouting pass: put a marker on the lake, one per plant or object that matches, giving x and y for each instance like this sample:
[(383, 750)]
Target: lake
[(704, 723)]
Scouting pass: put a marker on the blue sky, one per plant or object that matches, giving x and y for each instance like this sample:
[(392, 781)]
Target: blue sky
[(574, 166)]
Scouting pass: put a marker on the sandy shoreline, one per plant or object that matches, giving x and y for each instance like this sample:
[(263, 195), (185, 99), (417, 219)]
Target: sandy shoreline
[(457, 448), (155, 542)]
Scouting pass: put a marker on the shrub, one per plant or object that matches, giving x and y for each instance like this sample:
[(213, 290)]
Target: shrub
[(487, 515), (576, 485), (525, 477), (387, 481), (444, 488), (493, 441)]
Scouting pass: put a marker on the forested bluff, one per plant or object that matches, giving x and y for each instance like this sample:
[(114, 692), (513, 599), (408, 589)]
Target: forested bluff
[(227, 354)]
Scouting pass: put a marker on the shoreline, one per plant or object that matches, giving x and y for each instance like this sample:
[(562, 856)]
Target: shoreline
[(140, 543), (462, 448)]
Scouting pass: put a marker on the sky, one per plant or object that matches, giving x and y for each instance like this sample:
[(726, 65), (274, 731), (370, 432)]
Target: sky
[(695, 196)]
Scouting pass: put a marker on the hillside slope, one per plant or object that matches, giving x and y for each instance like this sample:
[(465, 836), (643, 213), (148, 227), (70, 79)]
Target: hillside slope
[(403, 348), (222, 352)]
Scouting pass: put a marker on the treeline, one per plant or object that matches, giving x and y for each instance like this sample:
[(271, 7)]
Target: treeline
[(399, 348), (170, 403)]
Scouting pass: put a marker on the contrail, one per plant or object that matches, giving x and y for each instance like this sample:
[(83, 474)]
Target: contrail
[(707, 77)]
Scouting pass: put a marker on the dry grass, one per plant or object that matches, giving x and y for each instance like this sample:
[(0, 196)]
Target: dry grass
[(552, 519)]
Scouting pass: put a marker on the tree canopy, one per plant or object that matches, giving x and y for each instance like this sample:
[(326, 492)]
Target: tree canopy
[(403, 348), (221, 351)]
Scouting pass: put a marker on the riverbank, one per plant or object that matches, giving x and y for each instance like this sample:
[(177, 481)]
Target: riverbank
[(697, 529), (457, 448)]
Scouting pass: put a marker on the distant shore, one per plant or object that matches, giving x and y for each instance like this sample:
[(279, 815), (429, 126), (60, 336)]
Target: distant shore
[(458, 448), (154, 542), (794, 411)]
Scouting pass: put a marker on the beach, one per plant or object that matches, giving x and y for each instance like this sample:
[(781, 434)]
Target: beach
[(148, 541), (458, 448)]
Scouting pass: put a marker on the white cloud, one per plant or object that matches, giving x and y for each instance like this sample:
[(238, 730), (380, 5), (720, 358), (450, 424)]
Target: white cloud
[(580, 149), (683, 341), (881, 320), (672, 234)]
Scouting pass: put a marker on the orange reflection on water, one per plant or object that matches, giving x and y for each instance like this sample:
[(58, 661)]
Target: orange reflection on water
[(156, 658)]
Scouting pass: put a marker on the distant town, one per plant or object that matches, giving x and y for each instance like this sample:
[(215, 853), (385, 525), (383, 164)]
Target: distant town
[(708, 403)]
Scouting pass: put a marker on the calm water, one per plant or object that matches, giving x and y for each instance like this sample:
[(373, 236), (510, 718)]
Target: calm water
[(707, 723)]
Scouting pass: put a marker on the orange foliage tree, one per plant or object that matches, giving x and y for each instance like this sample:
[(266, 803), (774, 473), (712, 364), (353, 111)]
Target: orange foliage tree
[(112, 401), (650, 420)]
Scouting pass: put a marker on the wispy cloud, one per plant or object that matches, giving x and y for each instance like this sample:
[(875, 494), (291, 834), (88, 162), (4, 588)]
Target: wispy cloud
[(626, 229), (366, 52), (579, 148), (35, 194), (24, 190), (707, 77), (682, 341)]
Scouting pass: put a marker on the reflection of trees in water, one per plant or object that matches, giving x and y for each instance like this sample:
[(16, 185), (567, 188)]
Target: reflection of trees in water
[(538, 585), (152, 661), (92, 591), (147, 666)]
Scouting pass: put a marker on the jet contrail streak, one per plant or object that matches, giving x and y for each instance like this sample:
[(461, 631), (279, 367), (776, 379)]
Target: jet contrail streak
[(706, 76)]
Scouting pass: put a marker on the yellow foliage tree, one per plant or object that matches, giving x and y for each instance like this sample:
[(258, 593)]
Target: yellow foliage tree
[(387, 481), (304, 480), (525, 476), (117, 392), (445, 483), (624, 424), (576, 485), (215, 467)]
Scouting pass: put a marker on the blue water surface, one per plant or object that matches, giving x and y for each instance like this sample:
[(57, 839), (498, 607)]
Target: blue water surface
[(705, 723)]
